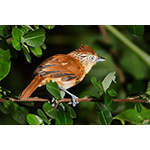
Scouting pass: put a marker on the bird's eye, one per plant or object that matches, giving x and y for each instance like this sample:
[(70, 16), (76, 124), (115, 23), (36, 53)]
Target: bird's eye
[(92, 58)]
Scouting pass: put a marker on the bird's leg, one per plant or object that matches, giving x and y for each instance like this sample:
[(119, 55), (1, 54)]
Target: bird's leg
[(74, 98)]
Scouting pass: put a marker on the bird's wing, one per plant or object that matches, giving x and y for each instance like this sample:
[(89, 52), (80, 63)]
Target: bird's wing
[(61, 66)]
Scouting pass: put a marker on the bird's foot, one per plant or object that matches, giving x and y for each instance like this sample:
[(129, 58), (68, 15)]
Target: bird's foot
[(74, 100)]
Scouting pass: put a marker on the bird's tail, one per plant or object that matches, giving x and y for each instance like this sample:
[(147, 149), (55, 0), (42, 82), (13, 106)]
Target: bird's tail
[(31, 87)]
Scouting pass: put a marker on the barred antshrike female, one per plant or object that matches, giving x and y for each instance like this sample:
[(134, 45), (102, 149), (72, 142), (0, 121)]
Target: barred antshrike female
[(67, 70)]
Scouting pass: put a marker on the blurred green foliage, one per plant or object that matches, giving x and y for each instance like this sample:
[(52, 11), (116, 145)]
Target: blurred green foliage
[(23, 48)]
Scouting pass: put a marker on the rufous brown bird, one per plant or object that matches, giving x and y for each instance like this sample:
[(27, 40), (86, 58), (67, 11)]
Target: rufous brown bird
[(65, 69)]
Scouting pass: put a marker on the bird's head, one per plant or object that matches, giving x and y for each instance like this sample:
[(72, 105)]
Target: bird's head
[(87, 57)]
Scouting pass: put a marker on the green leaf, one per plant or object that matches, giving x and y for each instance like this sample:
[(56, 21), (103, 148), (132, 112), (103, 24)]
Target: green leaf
[(148, 88), (23, 31), (138, 107), (112, 93), (133, 116), (108, 79), (43, 46), (18, 113), (5, 63), (104, 114), (49, 110), (3, 44), (110, 104), (53, 89), (70, 110), (3, 30), (16, 44), (27, 27), (62, 94), (98, 85), (35, 38), (3, 109), (43, 116), (63, 118), (49, 26), (136, 30), (36, 26), (16, 33), (34, 119), (30, 104), (36, 51), (26, 53)]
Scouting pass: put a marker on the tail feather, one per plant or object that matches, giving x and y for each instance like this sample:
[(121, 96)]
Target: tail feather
[(31, 87)]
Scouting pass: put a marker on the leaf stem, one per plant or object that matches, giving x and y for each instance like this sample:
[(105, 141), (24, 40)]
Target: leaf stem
[(139, 52)]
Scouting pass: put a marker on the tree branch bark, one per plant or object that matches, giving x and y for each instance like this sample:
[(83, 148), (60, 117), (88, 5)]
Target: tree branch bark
[(85, 99)]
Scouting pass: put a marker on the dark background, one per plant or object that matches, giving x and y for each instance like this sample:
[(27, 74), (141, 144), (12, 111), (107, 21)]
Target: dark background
[(64, 39)]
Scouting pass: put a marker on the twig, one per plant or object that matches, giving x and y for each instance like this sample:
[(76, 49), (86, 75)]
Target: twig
[(85, 99), (130, 100), (31, 99)]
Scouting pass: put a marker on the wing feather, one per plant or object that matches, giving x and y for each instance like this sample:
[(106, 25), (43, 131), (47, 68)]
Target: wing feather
[(61, 66)]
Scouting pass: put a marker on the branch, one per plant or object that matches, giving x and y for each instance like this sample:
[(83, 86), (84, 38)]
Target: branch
[(85, 99), (31, 99)]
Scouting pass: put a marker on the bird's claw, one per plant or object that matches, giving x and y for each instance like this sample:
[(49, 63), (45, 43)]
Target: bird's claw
[(75, 100)]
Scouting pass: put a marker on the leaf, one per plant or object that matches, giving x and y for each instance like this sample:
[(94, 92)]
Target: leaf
[(3, 109), (18, 112), (108, 79), (43, 116), (23, 32), (36, 51), (43, 46), (36, 26), (98, 85), (133, 116), (62, 94), (35, 38), (3, 30), (5, 63), (16, 44), (49, 110), (138, 107), (136, 30), (70, 110), (110, 104), (26, 53), (16, 33), (49, 26), (34, 119), (27, 27), (104, 114), (63, 118), (112, 93), (3, 44), (53, 89), (148, 88)]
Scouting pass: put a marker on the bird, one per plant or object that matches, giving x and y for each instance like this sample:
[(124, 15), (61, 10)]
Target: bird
[(67, 70)]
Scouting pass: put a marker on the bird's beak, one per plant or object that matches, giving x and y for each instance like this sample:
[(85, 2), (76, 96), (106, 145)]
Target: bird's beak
[(100, 59)]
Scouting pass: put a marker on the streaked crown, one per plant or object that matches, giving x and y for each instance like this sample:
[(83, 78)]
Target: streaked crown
[(86, 56)]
